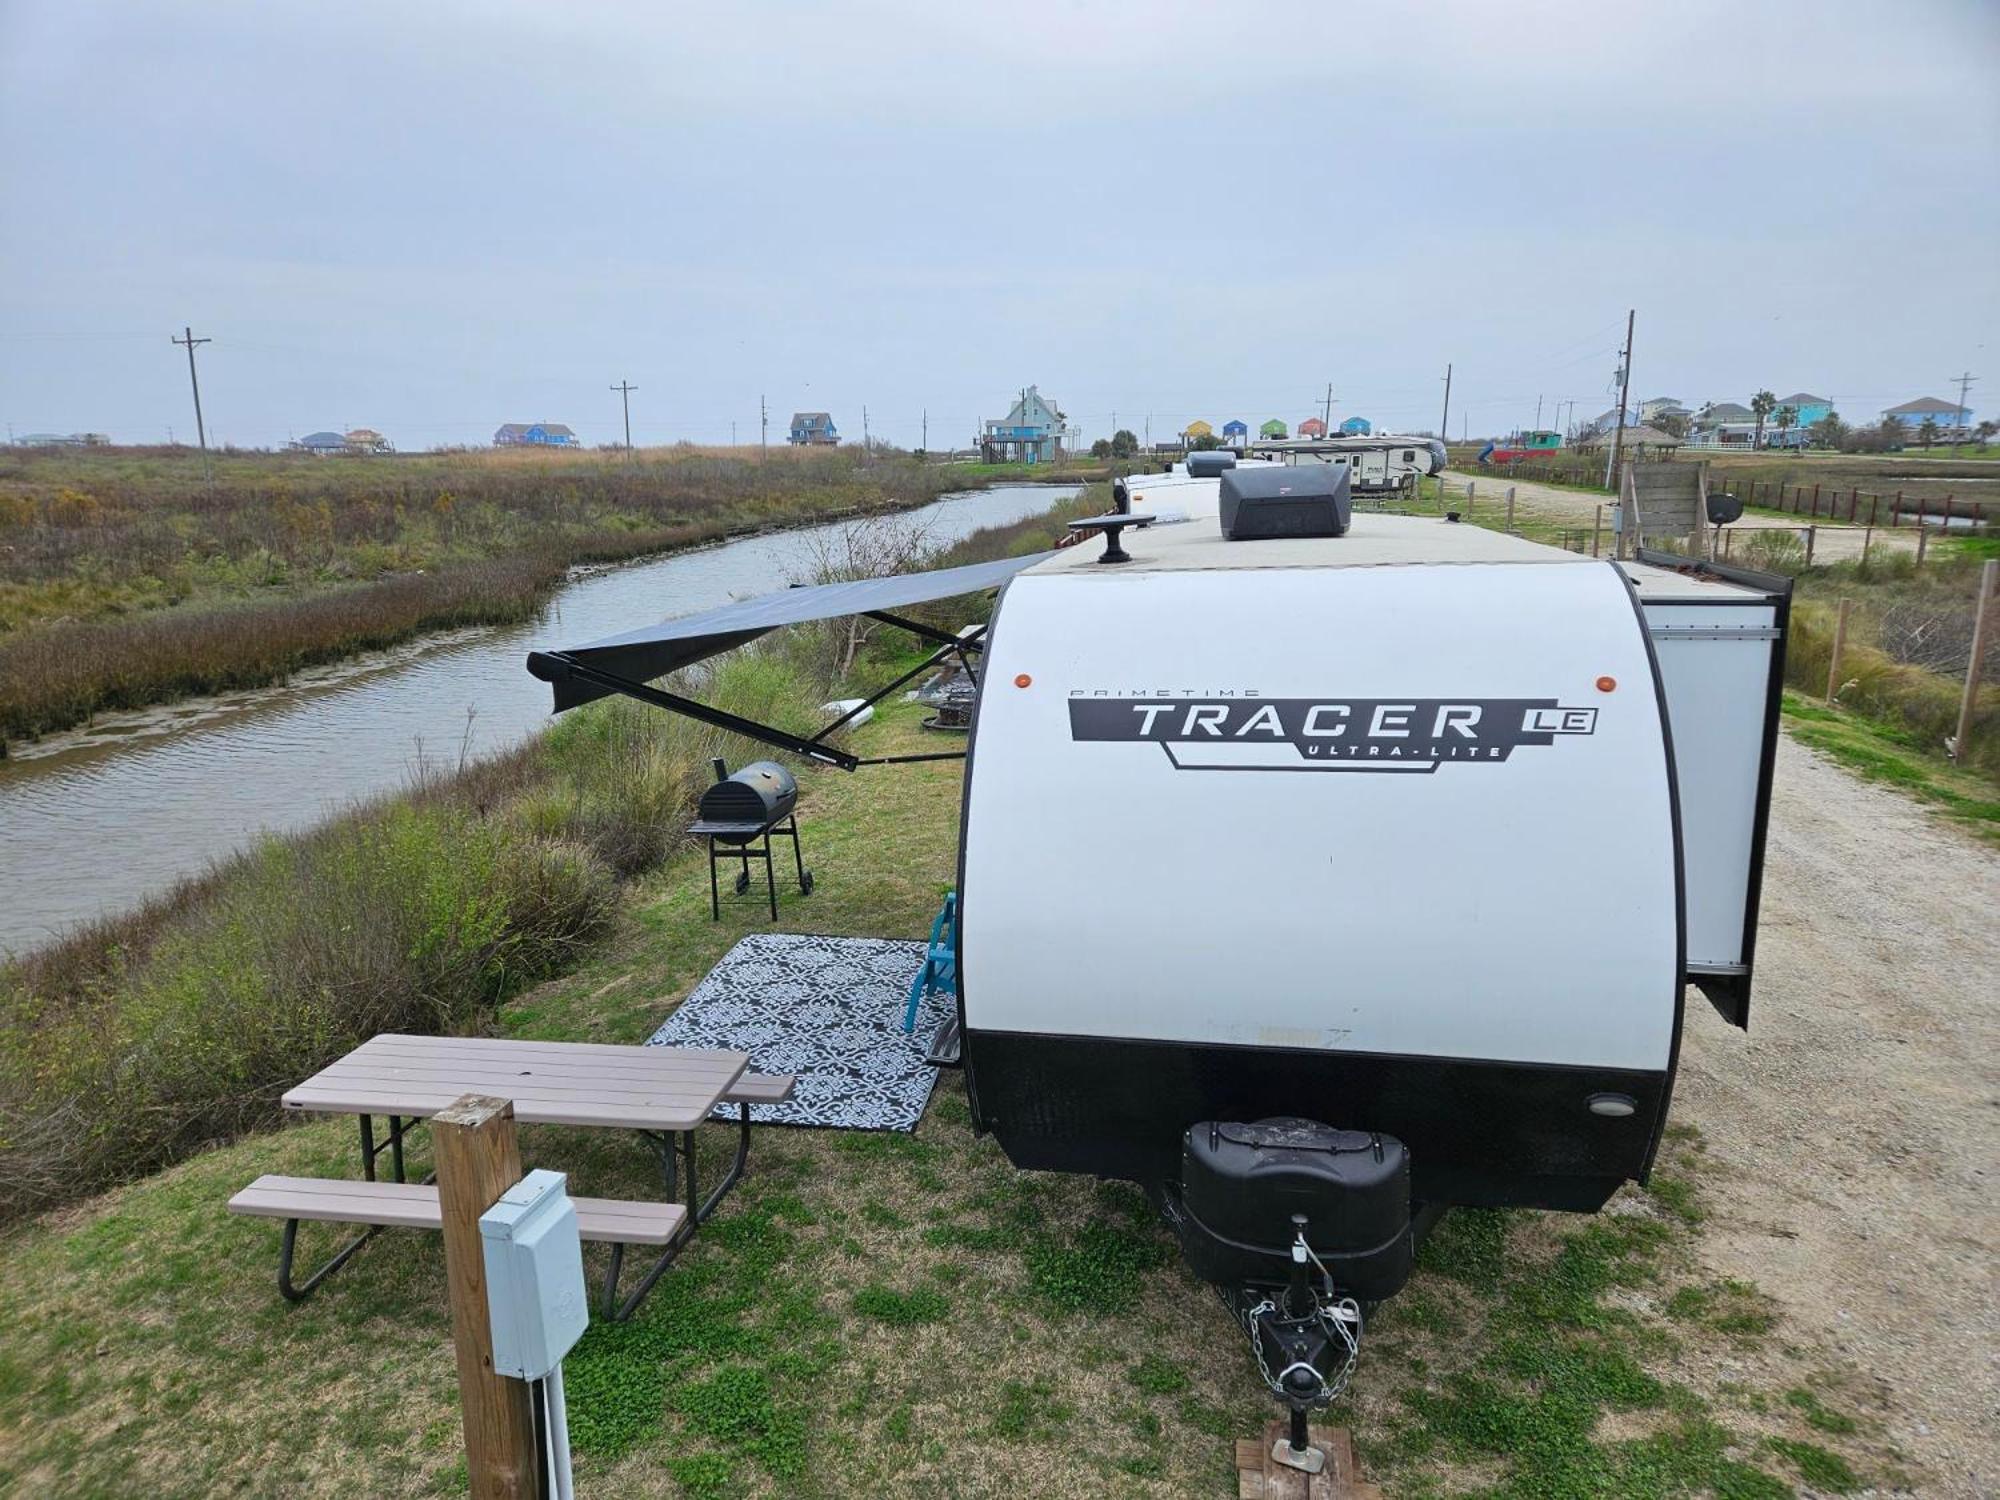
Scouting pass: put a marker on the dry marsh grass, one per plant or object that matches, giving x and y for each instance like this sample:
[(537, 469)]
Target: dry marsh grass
[(125, 581)]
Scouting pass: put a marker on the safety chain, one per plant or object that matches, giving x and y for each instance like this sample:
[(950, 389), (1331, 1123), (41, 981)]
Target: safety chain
[(1340, 1318)]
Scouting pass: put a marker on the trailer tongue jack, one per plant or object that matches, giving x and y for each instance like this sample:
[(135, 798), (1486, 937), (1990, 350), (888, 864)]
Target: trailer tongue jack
[(1310, 1344)]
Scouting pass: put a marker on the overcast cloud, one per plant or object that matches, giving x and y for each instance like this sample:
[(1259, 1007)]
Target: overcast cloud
[(433, 218)]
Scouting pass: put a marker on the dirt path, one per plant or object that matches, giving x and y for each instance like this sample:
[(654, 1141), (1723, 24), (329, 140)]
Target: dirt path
[(1855, 1125), (1831, 543)]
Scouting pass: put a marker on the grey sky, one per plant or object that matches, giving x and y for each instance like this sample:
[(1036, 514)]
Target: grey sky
[(431, 218)]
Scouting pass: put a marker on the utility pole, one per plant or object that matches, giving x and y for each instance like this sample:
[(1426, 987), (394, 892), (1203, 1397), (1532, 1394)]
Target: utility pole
[(1538, 413), (732, 432), (1444, 422), (927, 431), (201, 431), (1326, 416), (1618, 438), (763, 430), (1965, 383), (625, 389), (866, 446)]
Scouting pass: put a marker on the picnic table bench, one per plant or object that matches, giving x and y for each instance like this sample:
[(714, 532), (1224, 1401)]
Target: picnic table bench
[(661, 1093)]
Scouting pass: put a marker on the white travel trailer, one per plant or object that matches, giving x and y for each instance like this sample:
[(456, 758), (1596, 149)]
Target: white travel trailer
[(1379, 464), (1321, 871)]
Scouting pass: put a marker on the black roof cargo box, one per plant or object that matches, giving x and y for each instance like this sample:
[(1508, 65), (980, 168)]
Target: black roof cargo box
[(1311, 500)]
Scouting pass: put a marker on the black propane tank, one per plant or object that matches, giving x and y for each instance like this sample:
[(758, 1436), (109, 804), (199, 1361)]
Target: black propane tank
[(1242, 1184), (760, 794)]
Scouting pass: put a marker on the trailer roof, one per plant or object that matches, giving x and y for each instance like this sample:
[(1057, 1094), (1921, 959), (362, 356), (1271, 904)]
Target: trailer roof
[(1373, 540)]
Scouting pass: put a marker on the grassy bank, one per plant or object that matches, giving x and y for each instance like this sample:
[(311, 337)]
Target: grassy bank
[(125, 580), (880, 1314)]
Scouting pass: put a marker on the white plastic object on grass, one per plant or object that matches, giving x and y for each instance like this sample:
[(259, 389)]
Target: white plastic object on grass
[(848, 705)]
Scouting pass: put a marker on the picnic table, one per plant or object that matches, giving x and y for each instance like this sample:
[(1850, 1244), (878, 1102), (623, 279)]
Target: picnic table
[(660, 1093)]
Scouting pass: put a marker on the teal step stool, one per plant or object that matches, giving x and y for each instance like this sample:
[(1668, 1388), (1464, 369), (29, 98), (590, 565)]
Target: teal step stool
[(940, 971)]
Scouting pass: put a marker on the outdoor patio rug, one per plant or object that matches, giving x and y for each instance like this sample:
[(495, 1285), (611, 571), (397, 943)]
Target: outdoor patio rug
[(828, 1009)]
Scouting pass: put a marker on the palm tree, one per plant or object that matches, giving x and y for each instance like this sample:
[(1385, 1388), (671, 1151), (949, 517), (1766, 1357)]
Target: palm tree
[(1785, 418), (1760, 405)]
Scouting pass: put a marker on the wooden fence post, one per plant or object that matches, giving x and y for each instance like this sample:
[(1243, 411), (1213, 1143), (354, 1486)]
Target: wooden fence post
[(1839, 645), (1815, 502), (1510, 507), (478, 1159), (1812, 535), (1895, 510), (1597, 531), (1867, 534), (1874, 503), (1923, 536), (1974, 669)]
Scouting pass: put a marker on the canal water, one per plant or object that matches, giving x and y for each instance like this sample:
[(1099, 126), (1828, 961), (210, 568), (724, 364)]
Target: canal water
[(94, 822)]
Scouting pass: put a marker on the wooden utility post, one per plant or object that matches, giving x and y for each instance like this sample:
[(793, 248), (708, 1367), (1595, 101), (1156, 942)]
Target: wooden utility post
[(1596, 531), (1839, 646), (1975, 669), (1510, 507), (478, 1159)]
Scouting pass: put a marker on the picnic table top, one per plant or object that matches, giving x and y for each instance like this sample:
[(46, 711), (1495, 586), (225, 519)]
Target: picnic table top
[(551, 1083)]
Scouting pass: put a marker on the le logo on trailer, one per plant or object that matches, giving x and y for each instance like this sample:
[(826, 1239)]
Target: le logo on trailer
[(1248, 732)]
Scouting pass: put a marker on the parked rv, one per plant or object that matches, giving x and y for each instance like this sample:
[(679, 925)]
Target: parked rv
[(1211, 760), (1376, 465)]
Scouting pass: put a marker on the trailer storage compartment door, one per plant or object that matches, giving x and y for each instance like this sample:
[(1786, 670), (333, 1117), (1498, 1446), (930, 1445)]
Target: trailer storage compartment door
[(1719, 636)]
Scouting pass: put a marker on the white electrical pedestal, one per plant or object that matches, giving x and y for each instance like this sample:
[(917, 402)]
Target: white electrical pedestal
[(535, 1296)]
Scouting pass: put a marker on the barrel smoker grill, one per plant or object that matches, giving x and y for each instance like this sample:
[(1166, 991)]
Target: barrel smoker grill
[(740, 815), (1302, 1228)]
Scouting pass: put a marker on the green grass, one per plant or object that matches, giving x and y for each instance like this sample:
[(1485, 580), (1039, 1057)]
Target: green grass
[(1884, 753), (875, 1313)]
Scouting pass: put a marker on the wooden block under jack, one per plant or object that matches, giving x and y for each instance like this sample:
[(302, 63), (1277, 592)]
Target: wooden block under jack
[(1259, 1476)]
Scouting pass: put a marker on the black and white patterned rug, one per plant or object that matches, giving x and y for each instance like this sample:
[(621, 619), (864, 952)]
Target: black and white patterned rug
[(827, 1009)]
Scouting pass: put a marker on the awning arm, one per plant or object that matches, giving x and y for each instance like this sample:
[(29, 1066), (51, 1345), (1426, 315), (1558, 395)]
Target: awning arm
[(929, 632), (954, 646), (554, 666)]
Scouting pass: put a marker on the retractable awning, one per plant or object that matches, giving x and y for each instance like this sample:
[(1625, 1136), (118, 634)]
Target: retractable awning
[(627, 663)]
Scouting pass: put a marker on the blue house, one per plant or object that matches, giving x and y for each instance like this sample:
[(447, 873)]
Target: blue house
[(813, 429), (1948, 415), (1235, 434), (1806, 409), (322, 443), (1356, 427), (1034, 431), (535, 435)]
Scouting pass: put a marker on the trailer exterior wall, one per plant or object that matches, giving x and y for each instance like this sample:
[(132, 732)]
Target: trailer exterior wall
[(1459, 952)]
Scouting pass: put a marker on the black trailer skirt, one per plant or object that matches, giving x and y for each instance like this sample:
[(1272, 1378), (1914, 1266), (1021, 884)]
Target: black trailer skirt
[(1479, 1133)]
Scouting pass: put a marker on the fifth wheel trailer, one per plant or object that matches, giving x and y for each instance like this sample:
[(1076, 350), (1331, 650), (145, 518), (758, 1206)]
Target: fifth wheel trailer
[(1325, 879)]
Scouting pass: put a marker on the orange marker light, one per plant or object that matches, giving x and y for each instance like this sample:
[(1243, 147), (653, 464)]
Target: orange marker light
[(1607, 684), (1023, 680)]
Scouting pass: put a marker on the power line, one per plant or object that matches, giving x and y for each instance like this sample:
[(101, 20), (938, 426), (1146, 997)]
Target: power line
[(200, 430), (625, 388), (1965, 383), (1618, 439)]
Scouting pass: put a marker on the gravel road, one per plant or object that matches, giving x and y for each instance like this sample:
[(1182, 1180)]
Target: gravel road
[(1830, 544), (1855, 1125)]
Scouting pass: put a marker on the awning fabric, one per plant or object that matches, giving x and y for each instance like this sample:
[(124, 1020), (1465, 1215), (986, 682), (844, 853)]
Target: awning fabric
[(655, 650)]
